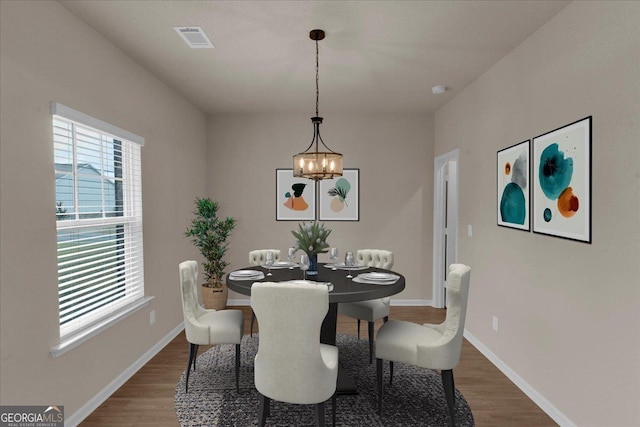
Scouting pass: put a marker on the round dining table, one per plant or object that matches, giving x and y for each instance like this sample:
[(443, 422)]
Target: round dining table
[(344, 290)]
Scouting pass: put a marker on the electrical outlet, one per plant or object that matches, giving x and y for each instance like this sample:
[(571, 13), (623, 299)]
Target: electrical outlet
[(152, 317), (469, 230), (495, 323)]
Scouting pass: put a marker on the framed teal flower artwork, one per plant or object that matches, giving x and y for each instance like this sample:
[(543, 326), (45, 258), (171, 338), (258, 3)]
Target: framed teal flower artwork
[(513, 187), (562, 182)]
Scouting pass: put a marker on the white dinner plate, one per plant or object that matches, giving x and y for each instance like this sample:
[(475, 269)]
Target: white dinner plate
[(281, 264), (341, 266), (382, 277), (246, 273), (360, 279), (311, 282), (302, 282), (382, 282)]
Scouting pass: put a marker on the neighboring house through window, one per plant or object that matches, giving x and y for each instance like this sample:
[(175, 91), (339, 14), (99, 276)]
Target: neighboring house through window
[(99, 223)]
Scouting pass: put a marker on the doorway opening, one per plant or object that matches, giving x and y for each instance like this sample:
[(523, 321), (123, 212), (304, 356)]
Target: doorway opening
[(445, 222)]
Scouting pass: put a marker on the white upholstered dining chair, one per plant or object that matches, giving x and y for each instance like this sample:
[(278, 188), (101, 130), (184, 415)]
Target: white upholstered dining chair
[(291, 364), (258, 257), (207, 327), (428, 346), (371, 310)]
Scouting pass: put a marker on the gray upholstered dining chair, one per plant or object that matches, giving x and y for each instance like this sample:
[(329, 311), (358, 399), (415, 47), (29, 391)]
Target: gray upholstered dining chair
[(207, 327), (371, 310), (291, 364), (428, 346), (257, 257)]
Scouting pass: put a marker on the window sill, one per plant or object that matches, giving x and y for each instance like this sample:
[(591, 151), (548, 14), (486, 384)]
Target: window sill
[(71, 342)]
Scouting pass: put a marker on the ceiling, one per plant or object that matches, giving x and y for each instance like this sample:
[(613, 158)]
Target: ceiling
[(378, 56)]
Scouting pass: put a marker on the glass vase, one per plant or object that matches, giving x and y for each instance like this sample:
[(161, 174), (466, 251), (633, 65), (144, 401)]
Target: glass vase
[(313, 265)]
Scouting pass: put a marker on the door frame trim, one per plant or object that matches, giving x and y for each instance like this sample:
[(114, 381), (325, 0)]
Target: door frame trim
[(438, 222)]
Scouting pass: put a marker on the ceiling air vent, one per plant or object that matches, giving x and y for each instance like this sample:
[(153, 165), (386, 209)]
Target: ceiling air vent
[(194, 37)]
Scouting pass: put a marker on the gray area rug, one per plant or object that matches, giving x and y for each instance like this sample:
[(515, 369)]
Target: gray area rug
[(416, 397)]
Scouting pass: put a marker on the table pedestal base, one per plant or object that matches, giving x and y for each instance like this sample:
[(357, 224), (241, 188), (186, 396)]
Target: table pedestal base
[(346, 384)]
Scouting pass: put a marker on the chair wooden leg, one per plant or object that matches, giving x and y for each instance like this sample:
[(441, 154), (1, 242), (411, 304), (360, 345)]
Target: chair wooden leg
[(449, 392), (390, 373), (333, 407), (195, 356), (371, 325), (253, 318), (358, 328), (238, 368), (263, 410), (193, 352), (320, 414), (379, 372)]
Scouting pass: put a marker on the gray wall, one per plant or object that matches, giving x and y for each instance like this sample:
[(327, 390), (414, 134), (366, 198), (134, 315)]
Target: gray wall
[(569, 312), (394, 153), (61, 59)]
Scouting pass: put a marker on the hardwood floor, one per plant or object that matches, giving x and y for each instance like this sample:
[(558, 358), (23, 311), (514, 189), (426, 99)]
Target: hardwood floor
[(147, 399)]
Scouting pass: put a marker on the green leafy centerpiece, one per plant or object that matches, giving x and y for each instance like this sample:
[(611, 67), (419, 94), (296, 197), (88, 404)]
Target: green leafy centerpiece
[(311, 238)]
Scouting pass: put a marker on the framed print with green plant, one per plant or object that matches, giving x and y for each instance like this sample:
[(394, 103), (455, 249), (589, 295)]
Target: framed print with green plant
[(339, 198), (513, 186), (562, 182), (295, 197)]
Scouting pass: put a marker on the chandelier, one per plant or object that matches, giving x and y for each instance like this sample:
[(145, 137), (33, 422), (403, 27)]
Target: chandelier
[(314, 163)]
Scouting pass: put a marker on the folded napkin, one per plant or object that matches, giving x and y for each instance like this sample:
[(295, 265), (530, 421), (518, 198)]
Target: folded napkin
[(341, 266), (244, 275), (363, 279), (329, 285)]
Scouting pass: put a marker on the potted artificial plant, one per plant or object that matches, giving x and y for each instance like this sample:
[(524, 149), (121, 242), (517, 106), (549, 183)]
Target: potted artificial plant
[(209, 234)]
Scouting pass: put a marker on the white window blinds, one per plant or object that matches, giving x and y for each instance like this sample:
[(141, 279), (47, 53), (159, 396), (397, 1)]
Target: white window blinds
[(99, 218)]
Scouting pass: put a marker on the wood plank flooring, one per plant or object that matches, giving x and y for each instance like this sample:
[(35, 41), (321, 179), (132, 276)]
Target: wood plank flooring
[(147, 399)]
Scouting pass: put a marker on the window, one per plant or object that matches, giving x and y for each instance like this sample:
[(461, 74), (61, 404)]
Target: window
[(99, 219)]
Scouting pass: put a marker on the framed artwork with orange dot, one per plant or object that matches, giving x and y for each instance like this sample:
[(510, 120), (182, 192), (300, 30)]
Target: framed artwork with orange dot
[(562, 182), (513, 189), (295, 197)]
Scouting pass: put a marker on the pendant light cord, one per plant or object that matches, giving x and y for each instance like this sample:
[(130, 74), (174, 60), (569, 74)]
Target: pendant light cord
[(317, 80)]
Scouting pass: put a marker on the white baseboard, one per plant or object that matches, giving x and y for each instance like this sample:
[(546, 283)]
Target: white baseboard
[(412, 302), (97, 400), (398, 302), (537, 398)]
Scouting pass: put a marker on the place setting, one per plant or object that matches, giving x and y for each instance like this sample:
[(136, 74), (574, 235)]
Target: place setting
[(281, 264), (343, 266), (246, 275), (349, 263), (375, 278)]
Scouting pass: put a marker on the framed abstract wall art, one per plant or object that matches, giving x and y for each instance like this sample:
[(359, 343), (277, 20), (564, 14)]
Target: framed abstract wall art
[(513, 186), (339, 198), (295, 197), (562, 182)]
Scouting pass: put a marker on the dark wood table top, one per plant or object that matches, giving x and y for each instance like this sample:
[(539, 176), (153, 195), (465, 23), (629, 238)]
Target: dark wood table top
[(344, 290)]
